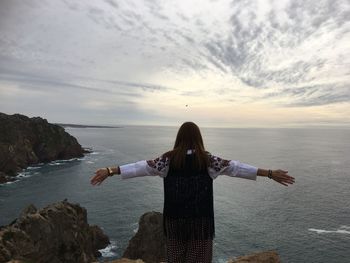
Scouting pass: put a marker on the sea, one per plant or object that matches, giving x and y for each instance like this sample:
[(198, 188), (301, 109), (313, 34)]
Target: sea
[(308, 221)]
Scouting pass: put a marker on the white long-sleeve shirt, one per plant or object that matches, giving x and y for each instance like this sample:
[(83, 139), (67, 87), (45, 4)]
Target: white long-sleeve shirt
[(160, 166)]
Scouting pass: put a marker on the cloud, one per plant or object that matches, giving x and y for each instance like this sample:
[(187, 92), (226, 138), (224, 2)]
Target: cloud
[(286, 47), (112, 3), (289, 53), (328, 95), (33, 81), (312, 95), (143, 86)]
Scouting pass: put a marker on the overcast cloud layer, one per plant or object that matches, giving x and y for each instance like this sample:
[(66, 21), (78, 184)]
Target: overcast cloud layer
[(219, 63)]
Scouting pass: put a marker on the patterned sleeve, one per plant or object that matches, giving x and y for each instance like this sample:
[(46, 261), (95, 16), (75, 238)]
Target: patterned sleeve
[(154, 167), (219, 166)]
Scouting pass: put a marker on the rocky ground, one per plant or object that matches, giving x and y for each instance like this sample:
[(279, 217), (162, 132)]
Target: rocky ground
[(258, 257), (59, 233), (148, 245), (26, 141)]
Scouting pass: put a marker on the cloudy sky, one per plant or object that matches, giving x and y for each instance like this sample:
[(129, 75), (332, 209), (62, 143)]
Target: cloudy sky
[(240, 63)]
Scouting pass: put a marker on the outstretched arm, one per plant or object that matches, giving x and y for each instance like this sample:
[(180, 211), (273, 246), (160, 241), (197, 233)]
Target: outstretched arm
[(233, 168), (156, 167)]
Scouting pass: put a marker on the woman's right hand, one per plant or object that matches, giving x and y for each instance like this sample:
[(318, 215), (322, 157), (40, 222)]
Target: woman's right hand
[(282, 177), (100, 175)]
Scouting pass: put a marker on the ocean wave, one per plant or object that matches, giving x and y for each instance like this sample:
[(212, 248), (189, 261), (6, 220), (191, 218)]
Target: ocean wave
[(340, 230), (33, 167), (136, 225), (23, 174), (11, 182), (68, 160), (89, 162), (74, 159), (110, 250), (55, 163)]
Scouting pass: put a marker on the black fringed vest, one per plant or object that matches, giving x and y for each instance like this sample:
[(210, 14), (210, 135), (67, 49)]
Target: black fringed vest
[(188, 203)]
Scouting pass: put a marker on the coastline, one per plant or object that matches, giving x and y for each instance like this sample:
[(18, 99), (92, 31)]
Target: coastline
[(28, 141)]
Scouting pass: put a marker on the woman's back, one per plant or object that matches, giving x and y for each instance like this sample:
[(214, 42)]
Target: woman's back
[(188, 202)]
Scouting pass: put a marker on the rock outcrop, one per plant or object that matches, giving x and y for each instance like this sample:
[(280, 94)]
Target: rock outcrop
[(5, 178), (258, 257), (58, 233), (125, 260), (26, 141), (148, 243)]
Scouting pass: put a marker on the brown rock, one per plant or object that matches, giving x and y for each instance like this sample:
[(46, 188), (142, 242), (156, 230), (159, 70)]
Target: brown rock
[(259, 257), (58, 233), (125, 260), (4, 178), (25, 141), (148, 243)]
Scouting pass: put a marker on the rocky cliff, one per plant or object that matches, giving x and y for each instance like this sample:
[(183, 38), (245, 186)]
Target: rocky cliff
[(148, 244), (258, 257), (58, 233), (26, 141)]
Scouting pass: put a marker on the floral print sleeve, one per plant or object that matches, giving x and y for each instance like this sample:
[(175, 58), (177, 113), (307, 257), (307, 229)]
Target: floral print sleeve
[(219, 166), (153, 167), (158, 166)]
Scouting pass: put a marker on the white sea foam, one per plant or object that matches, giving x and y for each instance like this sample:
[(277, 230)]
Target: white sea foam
[(136, 225), (33, 167), (55, 163), (11, 182), (61, 162), (23, 174), (340, 230), (110, 250), (70, 160), (89, 162)]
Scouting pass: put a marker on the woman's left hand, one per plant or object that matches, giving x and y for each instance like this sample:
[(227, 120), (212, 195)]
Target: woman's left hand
[(100, 175), (282, 177)]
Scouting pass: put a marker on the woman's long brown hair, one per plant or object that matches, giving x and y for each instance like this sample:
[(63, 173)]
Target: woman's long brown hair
[(188, 137)]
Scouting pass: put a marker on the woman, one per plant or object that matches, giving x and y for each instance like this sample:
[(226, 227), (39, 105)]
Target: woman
[(188, 172)]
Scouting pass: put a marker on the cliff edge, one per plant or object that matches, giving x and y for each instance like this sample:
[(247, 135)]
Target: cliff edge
[(58, 233), (148, 244), (26, 141)]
